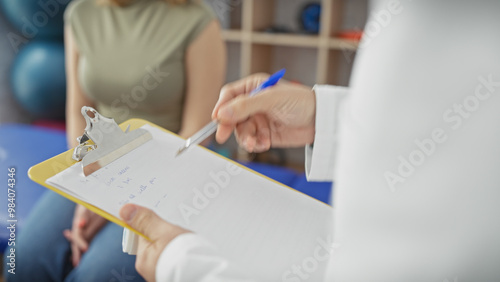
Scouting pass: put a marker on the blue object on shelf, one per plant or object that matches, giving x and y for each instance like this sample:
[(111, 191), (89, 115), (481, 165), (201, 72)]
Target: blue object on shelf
[(22, 146), (310, 17)]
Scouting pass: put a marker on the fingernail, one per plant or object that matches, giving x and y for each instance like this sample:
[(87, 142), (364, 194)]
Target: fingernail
[(128, 212), (214, 112), (250, 144), (226, 113)]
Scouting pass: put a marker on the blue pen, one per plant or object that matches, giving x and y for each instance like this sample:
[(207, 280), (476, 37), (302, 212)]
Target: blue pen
[(210, 128)]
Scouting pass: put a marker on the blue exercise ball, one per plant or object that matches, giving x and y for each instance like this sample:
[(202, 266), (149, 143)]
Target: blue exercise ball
[(38, 79), (41, 19)]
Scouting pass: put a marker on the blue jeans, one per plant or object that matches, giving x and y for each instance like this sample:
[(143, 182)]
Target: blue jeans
[(43, 254)]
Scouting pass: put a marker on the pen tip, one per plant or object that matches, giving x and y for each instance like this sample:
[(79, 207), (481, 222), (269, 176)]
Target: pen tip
[(180, 151)]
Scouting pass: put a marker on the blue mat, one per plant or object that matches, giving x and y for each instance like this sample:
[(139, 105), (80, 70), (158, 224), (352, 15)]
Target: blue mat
[(22, 146), (318, 190)]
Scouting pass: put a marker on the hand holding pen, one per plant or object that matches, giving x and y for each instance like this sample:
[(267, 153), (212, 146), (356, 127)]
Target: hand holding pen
[(210, 128), (279, 116)]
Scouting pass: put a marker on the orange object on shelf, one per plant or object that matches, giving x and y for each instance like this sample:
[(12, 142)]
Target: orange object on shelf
[(350, 34)]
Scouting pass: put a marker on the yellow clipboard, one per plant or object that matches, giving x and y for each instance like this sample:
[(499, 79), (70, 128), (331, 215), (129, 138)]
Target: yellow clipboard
[(45, 170), (41, 172)]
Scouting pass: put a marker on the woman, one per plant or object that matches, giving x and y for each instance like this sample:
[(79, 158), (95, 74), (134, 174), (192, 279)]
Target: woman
[(159, 60)]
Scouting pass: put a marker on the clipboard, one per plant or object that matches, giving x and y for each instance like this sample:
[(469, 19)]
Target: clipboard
[(318, 215), (41, 172)]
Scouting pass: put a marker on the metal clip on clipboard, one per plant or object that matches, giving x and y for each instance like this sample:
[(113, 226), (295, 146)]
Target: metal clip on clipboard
[(103, 142), (109, 142)]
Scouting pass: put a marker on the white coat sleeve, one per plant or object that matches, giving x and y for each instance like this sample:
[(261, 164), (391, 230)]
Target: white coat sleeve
[(320, 158), (189, 257)]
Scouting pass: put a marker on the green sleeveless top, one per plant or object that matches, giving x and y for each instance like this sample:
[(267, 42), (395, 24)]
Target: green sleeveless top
[(131, 59)]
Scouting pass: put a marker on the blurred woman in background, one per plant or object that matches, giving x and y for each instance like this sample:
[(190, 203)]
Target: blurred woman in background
[(159, 60)]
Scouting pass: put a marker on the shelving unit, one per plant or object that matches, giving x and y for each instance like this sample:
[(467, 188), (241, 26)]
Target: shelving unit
[(257, 49), (309, 59)]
